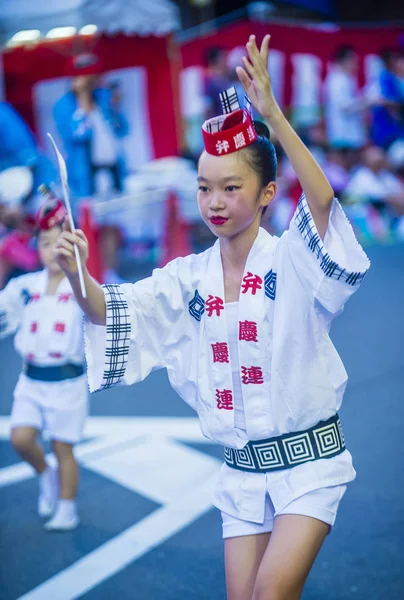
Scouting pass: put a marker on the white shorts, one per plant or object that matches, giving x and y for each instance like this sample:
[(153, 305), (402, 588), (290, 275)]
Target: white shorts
[(320, 504), (59, 408)]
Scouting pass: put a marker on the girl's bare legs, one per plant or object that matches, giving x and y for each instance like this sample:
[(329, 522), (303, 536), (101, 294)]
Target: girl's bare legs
[(243, 556), (24, 441), (68, 470), (294, 544)]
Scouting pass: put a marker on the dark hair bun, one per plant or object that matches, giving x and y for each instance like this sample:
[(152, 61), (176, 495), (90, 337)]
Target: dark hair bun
[(262, 130)]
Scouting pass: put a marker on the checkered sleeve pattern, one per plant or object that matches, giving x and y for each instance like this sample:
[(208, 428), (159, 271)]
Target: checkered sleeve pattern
[(118, 330), (3, 322), (307, 228)]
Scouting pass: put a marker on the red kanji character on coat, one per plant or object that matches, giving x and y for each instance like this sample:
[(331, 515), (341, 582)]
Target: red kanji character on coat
[(214, 304), (251, 282), (60, 327), (252, 375), (248, 331), (224, 399), (220, 352), (64, 297)]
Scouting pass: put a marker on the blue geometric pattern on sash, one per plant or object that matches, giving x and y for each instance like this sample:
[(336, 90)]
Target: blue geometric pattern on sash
[(118, 330), (270, 284), (196, 306), (307, 228), (25, 296), (325, 440)]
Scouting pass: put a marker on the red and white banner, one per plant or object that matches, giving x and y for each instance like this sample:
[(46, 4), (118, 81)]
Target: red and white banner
[(298, 61), (34, 78)]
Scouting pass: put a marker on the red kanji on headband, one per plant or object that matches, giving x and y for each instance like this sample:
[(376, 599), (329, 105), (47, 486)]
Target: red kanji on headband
[(51, 214), (227, 134)]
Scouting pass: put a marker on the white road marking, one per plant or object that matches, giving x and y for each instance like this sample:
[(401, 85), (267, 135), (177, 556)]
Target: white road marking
[(146, 456), (125, 548)]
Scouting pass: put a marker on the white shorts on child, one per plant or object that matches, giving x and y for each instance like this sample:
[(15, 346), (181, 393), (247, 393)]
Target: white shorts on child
[(321, 504), (59, 408)]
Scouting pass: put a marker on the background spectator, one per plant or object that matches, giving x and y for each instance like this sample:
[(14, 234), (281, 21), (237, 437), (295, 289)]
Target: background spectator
[(387, 112), (216, 79), (90, 124), (344, 105)]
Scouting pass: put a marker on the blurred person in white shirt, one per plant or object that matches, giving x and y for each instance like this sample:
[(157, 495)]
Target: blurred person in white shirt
[(344, 104)]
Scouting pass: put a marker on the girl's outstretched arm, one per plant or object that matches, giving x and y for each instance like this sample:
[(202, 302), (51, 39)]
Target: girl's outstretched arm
[(94, 305), (257, 84)]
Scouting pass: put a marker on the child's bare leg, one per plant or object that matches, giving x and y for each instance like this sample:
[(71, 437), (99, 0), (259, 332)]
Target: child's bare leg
[(68, 470), (65, 517), (24, 441), (243, 556), (294, 544)]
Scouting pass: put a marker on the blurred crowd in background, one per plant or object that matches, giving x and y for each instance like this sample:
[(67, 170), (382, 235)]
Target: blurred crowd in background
[(358, 139)]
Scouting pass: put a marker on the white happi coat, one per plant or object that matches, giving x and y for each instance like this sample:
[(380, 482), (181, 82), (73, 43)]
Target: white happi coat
[(291, 374), (49, 327)]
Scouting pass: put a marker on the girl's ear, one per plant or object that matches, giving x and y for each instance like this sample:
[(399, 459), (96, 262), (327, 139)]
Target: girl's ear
[(268, 194)]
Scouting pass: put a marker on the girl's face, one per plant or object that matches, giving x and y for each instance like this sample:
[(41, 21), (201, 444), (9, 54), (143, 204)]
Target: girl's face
[(230, 196), (46, 245)]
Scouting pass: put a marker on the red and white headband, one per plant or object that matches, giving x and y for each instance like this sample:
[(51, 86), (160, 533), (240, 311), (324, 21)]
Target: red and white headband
[(51, 214), (231, 131)]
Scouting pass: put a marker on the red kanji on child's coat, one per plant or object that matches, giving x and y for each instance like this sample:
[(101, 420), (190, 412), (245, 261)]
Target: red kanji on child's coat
[(248, 331), (55, 354), (213, 304), (252, 375), (35, 297), (60, 327), (251, 282), (220, 352), (34, 327), (64, 297), (224, 399)]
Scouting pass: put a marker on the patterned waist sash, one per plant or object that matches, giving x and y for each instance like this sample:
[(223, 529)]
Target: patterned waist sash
[(324, 440)]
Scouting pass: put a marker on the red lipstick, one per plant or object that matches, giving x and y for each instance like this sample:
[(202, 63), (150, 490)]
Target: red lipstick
[(217, 220)]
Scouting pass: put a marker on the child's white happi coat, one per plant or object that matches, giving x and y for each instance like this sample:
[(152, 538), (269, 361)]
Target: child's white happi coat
[(48, 327), (291, 374)]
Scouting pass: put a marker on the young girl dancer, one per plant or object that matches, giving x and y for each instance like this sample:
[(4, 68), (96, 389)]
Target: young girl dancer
[(243, 332), (52, 391)]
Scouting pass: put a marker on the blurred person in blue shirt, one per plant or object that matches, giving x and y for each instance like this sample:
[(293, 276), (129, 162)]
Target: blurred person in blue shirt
[(388, 100), (90, 124), (18, 148), (18, 192)]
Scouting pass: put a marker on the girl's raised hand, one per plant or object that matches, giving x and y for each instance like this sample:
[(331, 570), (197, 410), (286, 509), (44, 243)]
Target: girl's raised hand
[(255, 79), (64, 250)]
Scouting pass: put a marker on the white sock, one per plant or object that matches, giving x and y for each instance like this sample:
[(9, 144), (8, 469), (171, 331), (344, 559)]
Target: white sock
[(66, 508), (46, 481)]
